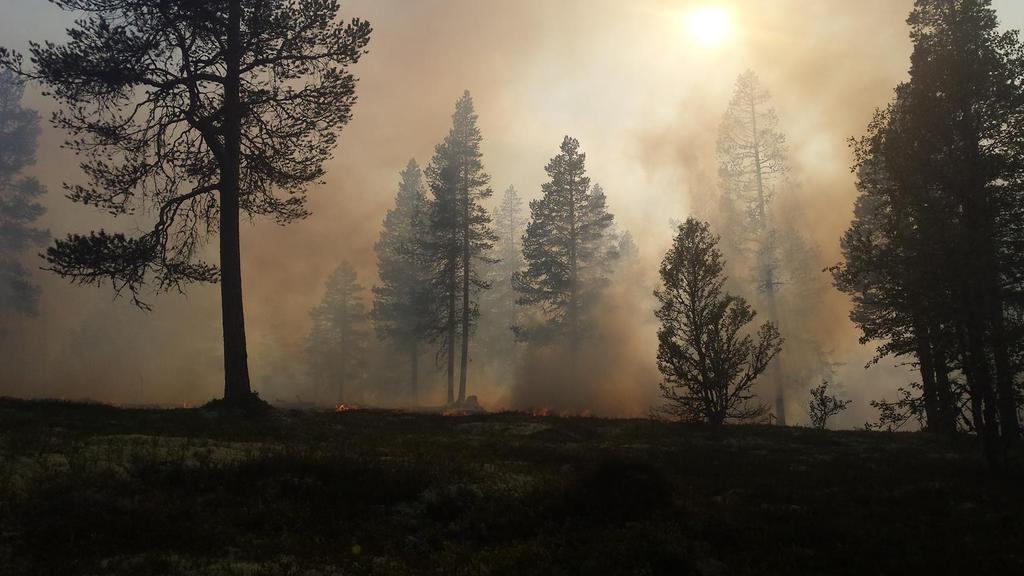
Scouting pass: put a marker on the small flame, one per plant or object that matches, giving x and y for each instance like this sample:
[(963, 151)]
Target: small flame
[(345, 408)]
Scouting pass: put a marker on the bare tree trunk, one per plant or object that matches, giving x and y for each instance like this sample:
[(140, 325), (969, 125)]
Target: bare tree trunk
[(1004, 375), (236, 367)]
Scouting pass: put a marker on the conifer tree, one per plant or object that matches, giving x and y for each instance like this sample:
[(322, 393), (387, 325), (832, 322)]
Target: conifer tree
[(752, 169), (401, 302), (509, 225), (460, 236), (337, 341), (19, 132), (708, 361), (499, 311), (565, 249), (192, 113), (933, 257)]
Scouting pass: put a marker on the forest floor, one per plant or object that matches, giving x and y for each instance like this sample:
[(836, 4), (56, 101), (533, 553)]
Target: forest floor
[(91, 489)]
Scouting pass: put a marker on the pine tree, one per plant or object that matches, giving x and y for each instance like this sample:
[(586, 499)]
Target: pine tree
[(509, 225), (709, 364), (566, 249), (337, 341), (752, 168), (193, 113), (889, 265), (460, 236), (499, 311), (952, 212), (401, 302), (19, 133)]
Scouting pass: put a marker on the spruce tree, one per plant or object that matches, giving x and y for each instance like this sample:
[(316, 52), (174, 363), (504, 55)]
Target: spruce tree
[(707, 358), (565, 249), (460, 236), (337, 340), (19, 133), (401, 302)]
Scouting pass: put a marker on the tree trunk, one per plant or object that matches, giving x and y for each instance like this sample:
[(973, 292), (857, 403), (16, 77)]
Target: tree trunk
[(766, 275), (944, 391), (236, 367), (464, 364), (926, 365), (451, 334), (1007, 396), (979, 380)]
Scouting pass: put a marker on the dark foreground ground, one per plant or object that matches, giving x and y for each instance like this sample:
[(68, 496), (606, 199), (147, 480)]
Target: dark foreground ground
[(98, 490)]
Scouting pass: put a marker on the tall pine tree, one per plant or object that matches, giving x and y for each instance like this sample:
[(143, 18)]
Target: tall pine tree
[(401, 302), (565, 249), (752, 168), (460, 236)]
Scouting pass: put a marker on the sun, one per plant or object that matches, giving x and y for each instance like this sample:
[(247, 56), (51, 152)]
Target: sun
[(709, 25)]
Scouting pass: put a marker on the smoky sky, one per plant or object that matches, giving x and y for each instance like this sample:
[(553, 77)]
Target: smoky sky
[(623, 77)]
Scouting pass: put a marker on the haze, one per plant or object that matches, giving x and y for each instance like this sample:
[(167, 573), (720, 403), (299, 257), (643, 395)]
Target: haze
[(642, 96)]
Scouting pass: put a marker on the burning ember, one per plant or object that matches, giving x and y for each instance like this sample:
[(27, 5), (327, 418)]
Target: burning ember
[(345, 408)]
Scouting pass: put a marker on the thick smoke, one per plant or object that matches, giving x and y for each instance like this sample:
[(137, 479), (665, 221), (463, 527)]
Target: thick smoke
[(622, 77)]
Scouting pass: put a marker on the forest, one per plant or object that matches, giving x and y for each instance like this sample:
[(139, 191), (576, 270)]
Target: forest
[(485, 336)]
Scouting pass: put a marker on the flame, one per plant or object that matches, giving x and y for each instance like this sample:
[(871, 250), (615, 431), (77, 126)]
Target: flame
[(345, 407)]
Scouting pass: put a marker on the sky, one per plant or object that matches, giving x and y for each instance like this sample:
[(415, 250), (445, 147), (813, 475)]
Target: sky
[(628, 79)]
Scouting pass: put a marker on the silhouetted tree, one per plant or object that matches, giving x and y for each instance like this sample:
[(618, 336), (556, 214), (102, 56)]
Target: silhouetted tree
[(460, 235), (889, 266), (19, 133), (195, 111), (565, 248), (970, 114), (337, 341), (401, 302), (752, 167), (708, 363), (823, 405), (943, 220)]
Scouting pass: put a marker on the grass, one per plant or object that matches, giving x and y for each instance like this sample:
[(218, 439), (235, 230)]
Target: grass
[(91, 489)]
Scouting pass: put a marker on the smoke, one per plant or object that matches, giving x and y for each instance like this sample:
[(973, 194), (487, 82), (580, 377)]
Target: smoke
[(622, 77)]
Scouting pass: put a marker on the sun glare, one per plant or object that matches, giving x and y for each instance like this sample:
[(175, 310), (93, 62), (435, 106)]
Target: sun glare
[(709, 25)]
